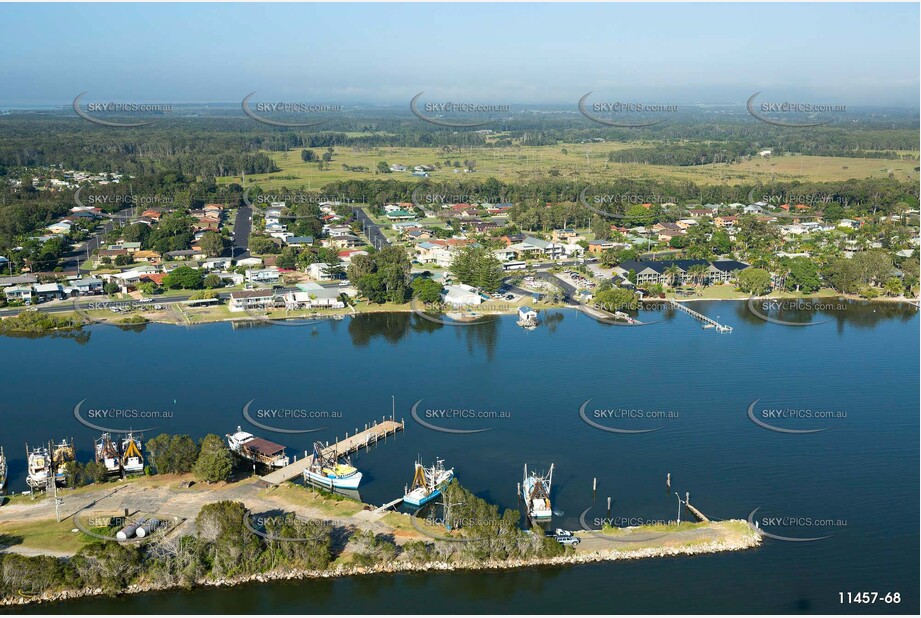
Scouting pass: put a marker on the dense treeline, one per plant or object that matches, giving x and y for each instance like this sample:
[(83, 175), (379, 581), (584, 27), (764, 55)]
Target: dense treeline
[(215, 145)]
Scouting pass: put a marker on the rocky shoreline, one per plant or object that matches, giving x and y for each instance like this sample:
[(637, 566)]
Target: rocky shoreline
[(747, 541)]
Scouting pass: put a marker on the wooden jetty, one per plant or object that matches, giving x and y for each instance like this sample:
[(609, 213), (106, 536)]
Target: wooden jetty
[(388, 506), (720, 328), (371, 435)]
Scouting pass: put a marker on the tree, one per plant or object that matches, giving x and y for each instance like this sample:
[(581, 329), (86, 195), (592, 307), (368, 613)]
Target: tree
[(212, 281), (308, 156), (122, 260), (426, 290), (212, 244), (382, 167), (755, 281), (672, 273), (478, 267), (615, 299), (262, 245), (894, 287), (215, 462), (803, 276), (185, 278), (111, 288), (172, 454)]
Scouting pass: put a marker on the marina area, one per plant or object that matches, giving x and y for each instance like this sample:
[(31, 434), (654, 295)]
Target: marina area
[(527, 420)]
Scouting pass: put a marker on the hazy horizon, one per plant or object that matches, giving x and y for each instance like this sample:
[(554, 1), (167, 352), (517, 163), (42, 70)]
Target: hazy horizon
[(520, 54)]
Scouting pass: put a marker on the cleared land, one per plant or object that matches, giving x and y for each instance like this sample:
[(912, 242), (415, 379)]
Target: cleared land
[(580, 162)]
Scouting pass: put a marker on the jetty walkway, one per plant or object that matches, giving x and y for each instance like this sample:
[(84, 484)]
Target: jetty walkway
[(371, 435)]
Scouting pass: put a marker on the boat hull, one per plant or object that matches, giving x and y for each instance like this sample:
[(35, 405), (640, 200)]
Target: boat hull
[(349, 482), (416, 500)]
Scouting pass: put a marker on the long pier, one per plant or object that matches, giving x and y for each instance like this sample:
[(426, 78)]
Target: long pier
[(720, 328), (371, 435)]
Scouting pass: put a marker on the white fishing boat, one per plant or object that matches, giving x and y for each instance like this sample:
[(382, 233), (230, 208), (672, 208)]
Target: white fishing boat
[(428, 483), (535, 490), (39, 467), (107, 454), (328, 471), (132, 457), (258, 450)]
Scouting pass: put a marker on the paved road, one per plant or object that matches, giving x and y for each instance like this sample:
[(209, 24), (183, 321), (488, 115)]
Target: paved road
[(372, 230), (71, 261), (242, 227)]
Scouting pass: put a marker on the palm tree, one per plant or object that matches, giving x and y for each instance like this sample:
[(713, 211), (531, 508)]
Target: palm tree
[(671, 274), (698, 273)]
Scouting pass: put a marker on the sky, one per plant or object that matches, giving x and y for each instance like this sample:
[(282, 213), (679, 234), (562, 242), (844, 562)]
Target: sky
[(384, 54)]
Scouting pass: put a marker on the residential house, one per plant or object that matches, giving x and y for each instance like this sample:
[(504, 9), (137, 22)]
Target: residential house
[(299, 241), (187, 254), (20, 293), (152, 257), (87, 286), (461, 295), (262, 275), (216, 263), (48, 291), (319, 271), (251, 299), (18, 280)]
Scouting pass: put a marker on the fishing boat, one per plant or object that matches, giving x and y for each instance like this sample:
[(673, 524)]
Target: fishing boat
[(257, 450), (63, 457), (132, 458), (428, 483), (2, 469), (328, 471), (535, 489), (107, 454), (39, 467)]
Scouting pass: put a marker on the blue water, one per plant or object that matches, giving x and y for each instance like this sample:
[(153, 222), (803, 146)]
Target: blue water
[(862, 472)]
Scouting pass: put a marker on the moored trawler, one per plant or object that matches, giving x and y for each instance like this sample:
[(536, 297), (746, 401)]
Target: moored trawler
[(257, 450), (328, 471), (2, 469), (107, 454), (132, 457), (62, 457), (535, 490), (39, 467), (428, 483)]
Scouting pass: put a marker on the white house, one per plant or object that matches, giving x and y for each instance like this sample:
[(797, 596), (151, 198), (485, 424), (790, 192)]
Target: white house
[(262, 275), (251, 299), (461, 295), (318, 271)]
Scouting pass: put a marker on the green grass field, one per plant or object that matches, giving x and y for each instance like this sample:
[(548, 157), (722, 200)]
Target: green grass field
[(580, 162)]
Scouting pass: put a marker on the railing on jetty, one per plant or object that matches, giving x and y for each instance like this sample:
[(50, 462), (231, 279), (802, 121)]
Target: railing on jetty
[(720, 328), (371, 435)]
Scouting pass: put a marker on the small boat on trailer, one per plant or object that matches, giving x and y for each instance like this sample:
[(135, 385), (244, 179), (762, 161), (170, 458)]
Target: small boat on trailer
[(327, 471), (257, 450), (428, 483), (535, 490)]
